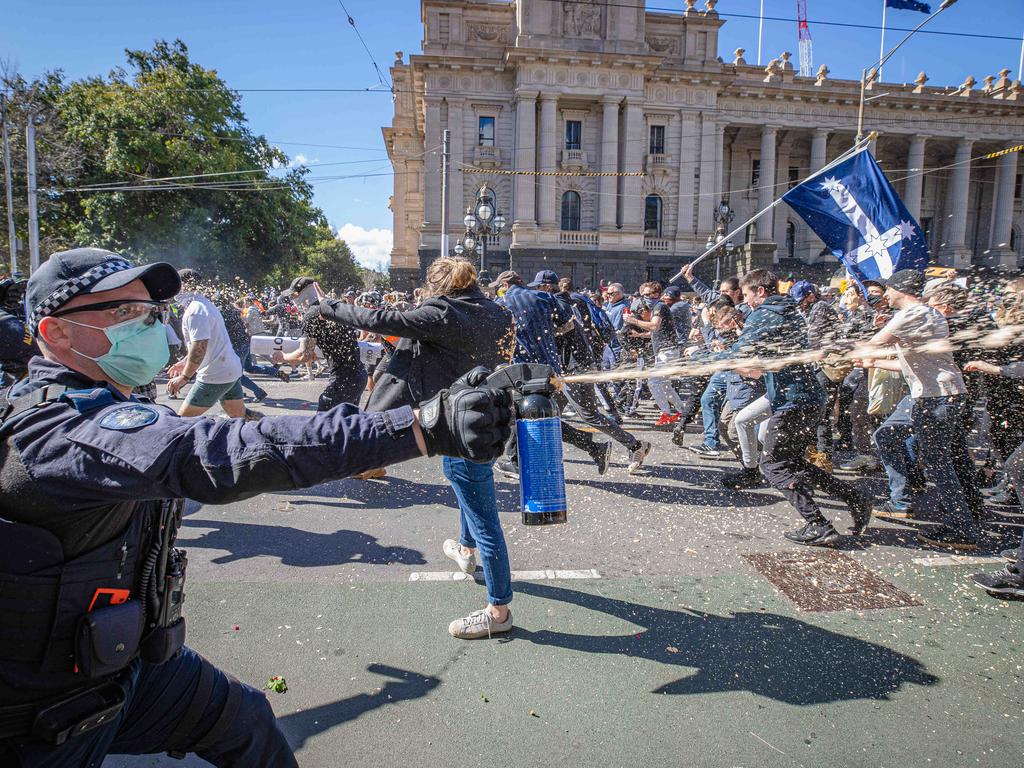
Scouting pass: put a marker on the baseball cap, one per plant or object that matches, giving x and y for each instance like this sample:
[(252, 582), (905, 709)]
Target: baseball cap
[(801, 290), (508, 276), (672, 292), (909, 281), (82, 271), (544, 276), (297, 285)]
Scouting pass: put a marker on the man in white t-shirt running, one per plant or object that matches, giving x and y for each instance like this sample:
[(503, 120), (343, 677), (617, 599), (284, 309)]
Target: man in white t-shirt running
[(210, 357), (920, 335)]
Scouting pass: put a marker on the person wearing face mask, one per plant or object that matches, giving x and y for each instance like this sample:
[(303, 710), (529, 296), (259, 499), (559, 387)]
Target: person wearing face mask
[(92, 488)]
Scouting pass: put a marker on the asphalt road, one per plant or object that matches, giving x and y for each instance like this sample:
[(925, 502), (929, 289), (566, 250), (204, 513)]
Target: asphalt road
[(644, 633)]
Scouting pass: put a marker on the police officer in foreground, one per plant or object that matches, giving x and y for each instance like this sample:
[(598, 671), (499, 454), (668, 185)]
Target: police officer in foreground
[(92, 484)]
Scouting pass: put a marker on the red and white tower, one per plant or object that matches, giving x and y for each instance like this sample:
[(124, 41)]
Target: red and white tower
[(804, 38)]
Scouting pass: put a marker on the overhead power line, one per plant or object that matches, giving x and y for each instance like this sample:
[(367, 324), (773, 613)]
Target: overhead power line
[(380, 74)]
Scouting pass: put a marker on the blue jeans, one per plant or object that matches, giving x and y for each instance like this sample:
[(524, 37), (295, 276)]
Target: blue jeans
[(942, 443), (250, 367), (160, 700), (711, 403), (897, 449), (480, 528)]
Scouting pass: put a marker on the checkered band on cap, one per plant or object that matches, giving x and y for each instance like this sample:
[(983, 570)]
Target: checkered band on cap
[(73, 287)]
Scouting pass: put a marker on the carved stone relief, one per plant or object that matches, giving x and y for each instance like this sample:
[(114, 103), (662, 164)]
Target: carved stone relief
[(486, 33), (582, 18)]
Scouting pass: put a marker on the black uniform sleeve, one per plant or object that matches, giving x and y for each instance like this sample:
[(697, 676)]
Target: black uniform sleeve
[(427, 322)]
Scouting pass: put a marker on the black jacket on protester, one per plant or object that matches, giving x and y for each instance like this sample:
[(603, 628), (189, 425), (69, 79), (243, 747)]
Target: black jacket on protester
[(440, 340)]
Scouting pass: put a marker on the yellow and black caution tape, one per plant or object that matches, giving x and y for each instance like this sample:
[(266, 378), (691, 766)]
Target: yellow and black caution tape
[(503, 172), (1002, 152)]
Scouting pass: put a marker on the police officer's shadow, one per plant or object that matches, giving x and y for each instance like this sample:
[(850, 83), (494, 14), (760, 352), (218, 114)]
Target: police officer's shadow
[(779, 657), (406, 685), (295, 547)]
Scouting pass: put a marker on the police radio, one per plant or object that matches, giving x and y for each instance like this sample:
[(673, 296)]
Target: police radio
[(538, 441)]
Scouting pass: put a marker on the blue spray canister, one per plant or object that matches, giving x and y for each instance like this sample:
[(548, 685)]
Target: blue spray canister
[(539, 442)]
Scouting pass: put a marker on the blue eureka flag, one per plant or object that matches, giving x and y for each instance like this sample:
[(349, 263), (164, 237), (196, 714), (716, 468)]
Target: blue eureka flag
[(909, 5), (854, 209)]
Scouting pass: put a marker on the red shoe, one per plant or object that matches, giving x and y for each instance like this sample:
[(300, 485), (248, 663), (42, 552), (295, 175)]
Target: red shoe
[(675, 417), (665, 421)]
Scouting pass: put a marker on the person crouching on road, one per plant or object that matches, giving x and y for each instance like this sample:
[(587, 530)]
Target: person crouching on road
[(454, 330)]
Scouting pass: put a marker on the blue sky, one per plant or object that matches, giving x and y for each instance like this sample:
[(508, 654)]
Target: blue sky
[(309, 44)]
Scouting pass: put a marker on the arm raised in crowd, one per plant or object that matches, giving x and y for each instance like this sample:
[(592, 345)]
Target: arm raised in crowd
[(427, 322)]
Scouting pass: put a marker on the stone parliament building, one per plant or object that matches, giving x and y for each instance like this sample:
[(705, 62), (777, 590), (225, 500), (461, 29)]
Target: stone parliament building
[(588, 86)]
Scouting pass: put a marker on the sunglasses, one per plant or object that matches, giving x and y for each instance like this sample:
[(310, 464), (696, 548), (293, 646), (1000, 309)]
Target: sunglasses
[(122, 311)]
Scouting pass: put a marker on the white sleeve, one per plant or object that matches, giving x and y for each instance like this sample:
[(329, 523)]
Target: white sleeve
[(196, 326)]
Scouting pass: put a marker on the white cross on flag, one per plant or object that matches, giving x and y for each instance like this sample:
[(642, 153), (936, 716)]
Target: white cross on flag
[(854, 209)]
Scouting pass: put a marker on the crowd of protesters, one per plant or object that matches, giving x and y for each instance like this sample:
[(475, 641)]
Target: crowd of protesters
[(805, 387)]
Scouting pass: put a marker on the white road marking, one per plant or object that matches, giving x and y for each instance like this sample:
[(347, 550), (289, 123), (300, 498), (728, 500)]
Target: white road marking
[(546, 574), (957, 560)]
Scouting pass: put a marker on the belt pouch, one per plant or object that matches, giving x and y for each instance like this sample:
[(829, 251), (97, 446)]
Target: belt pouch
[(163, 643), (108, 638)]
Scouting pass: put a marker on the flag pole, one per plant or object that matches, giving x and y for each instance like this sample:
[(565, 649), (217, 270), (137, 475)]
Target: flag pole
[(1020, 67), (760, 30), (881, 47), (859, 146)]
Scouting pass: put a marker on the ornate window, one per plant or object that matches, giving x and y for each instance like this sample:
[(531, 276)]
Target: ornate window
[(571, 207), (652, 216), (657, 144), (486, 138), (573, 134)]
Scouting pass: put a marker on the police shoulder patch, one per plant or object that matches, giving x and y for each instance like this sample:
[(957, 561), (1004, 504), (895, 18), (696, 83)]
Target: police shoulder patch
[(129, 417)]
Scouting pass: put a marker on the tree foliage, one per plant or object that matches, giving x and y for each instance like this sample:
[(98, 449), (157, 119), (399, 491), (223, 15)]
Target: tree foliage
[(157, 161)]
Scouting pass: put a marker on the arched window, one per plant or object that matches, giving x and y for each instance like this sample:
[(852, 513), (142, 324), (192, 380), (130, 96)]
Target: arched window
[(652, 216), (571, 206)]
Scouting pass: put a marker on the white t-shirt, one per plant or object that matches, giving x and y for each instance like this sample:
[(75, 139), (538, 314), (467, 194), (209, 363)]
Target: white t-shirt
[(929, 373), (202, 321)]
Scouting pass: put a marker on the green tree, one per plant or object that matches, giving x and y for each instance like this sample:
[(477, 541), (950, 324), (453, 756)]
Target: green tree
[(157, 161)]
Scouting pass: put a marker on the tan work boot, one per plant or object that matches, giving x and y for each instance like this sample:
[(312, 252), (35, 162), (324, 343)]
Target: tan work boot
[(820, 459)]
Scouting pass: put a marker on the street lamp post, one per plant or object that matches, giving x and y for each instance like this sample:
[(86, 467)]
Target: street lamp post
[(870, 73), (723, 218), (481, 220)]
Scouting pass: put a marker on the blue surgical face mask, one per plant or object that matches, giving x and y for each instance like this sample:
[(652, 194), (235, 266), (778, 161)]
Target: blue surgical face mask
[(138, 351)]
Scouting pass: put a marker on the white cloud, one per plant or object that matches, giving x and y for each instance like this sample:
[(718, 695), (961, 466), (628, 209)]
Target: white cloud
[(371, 247)]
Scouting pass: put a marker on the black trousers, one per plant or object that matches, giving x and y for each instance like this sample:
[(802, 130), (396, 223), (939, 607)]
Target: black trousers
[(785, 467), (824, 436), (343, 389), (584, 398)]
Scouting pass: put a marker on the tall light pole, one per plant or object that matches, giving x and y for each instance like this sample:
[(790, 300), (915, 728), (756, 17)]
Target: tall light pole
[(876, 68), (33, 195), (482, 220)]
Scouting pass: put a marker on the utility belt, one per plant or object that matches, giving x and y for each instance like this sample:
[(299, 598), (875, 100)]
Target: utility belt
[(76, 627)]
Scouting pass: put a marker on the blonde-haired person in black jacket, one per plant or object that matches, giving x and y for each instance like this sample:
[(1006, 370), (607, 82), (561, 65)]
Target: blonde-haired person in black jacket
[(454, 330)]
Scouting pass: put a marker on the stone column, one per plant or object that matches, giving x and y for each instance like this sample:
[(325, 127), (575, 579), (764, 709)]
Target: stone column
[(1002, 211), (710, 174), (689, 147), (432, 179), (546, 203), (525, 211), (819, 149), (608, 185), (456, 194), (955, 251), (633, 160), (782, 212), (915, 180), (765, 191)]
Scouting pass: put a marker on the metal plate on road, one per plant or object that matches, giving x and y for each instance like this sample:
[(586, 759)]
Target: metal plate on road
[(819, 581)]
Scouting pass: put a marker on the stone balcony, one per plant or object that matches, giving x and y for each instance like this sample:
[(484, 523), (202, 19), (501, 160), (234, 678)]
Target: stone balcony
[(657, 244), (486, 157), (658, 163), (574, 238), (574, 159)]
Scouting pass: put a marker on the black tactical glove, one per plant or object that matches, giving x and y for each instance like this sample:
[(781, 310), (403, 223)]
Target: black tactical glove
[(467, 421)]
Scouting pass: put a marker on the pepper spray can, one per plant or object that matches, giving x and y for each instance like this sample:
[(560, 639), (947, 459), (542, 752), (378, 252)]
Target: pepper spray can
[(538, 432)]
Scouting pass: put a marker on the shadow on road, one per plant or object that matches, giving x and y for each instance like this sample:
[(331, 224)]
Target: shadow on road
[(407, 685), (780, 657), (392, 492), (293, 546)]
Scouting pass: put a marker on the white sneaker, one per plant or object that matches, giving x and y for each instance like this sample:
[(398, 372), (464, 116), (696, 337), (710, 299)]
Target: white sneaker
[(479, 624), (859, 462), (453, 551), (636, 458)]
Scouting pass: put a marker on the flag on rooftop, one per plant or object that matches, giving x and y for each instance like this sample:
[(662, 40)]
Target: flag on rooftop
[(854, 209), (909, 5)]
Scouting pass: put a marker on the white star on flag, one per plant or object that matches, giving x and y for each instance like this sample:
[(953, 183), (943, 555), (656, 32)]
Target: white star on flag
[(876, 245)]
